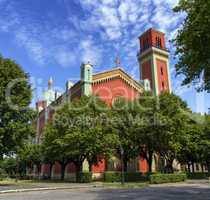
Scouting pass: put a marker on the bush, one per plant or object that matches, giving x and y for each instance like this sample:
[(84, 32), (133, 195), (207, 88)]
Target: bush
[(166, 178), (129, 177), (85, 177), (135, 177), (3, 174), (112, 176), (198, 175)]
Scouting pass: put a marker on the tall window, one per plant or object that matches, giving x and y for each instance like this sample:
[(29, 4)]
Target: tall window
[(161, 69), (163, 85), (158, 42), (89, 74)]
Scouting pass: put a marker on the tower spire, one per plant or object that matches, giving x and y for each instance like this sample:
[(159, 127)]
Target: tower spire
[(50, 83)]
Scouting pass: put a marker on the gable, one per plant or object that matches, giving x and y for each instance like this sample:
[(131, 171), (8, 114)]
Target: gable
[(115, 84)]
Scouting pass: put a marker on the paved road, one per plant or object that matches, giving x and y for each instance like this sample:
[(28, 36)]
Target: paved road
[(190, 192)]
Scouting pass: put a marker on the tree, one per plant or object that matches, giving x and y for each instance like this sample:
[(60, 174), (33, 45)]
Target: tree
[(189, 153), (193, 43), (123, 115), (150, 124), (31, 154), (79, 132), (50, 149), (204, 143), (175, 110), (15, 120), (9, 165)]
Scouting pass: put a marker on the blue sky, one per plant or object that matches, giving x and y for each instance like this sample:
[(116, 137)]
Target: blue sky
[(52, 38)]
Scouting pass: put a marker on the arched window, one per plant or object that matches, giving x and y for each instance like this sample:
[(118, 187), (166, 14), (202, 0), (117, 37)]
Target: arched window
[(158, 42)]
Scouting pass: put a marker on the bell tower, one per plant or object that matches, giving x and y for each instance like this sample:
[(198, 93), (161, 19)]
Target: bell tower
[(154, 61), (86, 78)]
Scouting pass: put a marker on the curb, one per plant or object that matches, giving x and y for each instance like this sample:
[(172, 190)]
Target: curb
[(45, 189)]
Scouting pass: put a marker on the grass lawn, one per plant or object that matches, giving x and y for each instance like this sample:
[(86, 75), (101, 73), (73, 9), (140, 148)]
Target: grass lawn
[(126, 185), (9, 181)]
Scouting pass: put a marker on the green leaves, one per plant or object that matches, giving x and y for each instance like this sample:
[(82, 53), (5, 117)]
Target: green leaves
[(15, 114), (79, 132), (193, 43)]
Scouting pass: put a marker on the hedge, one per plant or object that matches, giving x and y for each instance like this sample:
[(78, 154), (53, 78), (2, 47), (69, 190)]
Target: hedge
[(3, 174), (198, 175), (111, 176), (166, 178), (85, 177)]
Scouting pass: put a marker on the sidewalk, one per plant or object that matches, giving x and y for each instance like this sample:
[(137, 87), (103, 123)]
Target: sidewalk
[(40, 186)]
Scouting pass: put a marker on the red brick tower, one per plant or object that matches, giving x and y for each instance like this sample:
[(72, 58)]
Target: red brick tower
[(154, 61)]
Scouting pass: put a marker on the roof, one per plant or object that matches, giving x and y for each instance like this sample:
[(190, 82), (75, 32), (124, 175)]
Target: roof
[(118, 72), (104, 76)]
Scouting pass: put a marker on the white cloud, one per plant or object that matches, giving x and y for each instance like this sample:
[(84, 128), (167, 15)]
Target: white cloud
[(35, 48), (65, 57), (90, 52), (118, 23)]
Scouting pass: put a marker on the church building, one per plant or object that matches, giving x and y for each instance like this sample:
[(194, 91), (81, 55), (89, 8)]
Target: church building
[(109, 85)]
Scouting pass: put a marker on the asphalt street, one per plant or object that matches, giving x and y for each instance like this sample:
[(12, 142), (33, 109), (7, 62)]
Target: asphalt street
[(150, 193)]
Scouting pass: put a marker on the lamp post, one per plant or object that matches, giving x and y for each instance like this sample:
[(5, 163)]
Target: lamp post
[(122, 165)]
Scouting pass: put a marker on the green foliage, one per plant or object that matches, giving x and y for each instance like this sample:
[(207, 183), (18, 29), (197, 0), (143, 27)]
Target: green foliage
[(31, 154), (9, 165), (79, 132), (15, 114), (123, 115), (85, 177), (135, 177), (3, 174), (111, 176), (166, 178), (177, 117), (198, 175), (193, 43)]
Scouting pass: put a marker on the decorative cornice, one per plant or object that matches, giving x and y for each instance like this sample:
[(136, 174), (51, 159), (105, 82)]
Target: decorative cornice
[(117, 73), (162, 52)]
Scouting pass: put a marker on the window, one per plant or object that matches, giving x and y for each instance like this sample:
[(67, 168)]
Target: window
[(158, 42), (89, 74), (163, 85), (161, 69)]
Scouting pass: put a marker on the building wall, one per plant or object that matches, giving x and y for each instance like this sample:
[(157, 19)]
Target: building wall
[(112, 89), (146, 72), (162, 74)]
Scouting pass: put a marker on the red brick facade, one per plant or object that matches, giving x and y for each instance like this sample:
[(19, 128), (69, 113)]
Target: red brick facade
[(115, 83)]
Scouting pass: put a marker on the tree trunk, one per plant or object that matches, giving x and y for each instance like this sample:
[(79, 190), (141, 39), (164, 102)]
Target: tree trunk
[(188, 167), (51, 166), (170, 166), (63, 167), (78, 170), (125, 164), (202, 168), (149, 160), (193, 167), (39, 170), (90, 164), (208, 166)]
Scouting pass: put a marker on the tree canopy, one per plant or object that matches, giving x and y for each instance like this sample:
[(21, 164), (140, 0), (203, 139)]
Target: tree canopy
[(15, 114), (79, 132), (193, 43)]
